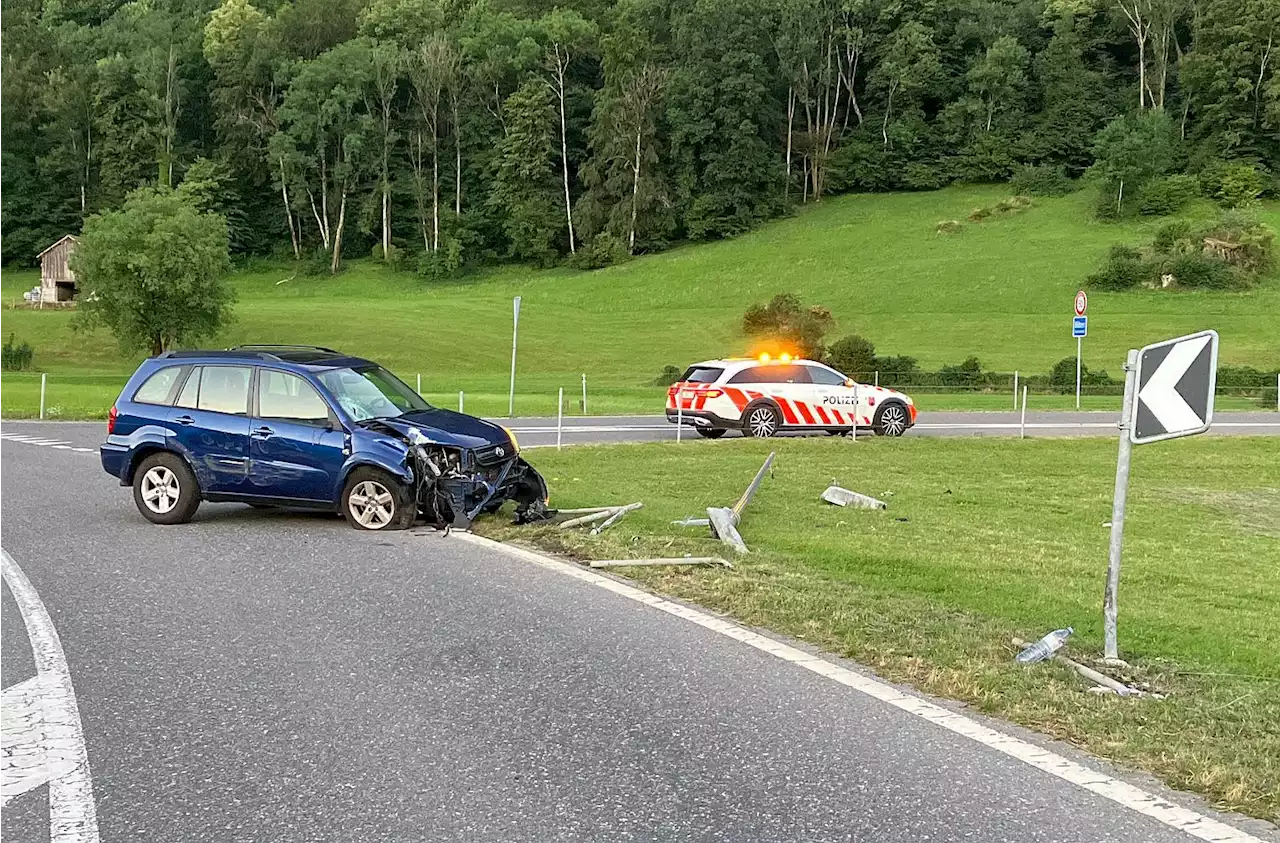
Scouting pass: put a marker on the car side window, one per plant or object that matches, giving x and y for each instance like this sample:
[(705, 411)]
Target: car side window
[(225, 389), (159, 388), (190, 390), (289, 397), (825, 377), (772, 374)]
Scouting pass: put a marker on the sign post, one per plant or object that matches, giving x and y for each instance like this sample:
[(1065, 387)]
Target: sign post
[(1079, 330), (1168, 393), (515, 330)]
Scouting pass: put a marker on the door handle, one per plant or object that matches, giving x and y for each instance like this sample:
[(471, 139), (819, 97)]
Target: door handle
[(263, 432), (185, 420)]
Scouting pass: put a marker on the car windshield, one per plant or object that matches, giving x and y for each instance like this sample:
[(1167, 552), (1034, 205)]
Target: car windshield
[(371, 392)]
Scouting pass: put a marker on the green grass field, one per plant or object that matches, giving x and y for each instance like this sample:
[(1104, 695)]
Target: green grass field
[(984, 540), (1001, 290)]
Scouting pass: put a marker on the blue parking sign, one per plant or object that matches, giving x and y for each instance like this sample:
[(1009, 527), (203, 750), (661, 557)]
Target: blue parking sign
[(1080, 326)]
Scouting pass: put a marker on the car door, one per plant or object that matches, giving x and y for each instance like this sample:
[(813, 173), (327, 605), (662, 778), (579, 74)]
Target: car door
[(210, 424), (833, 395), (789, 386), (296, 446)]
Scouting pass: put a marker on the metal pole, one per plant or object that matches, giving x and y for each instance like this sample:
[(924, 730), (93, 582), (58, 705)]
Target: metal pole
[(1015, 389), (1110, 650), (877, 377), (515, 330), (419, 383), (44, 376), (459, 400), (1022, 428), (584, 393), (679, 417), (559, 418), (1078, 343), (751, 488), (854, 432)]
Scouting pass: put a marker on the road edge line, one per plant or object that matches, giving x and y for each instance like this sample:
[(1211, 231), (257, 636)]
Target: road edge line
[(73, 817), (1120, 792)]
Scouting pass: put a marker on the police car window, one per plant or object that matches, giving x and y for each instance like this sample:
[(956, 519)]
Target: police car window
[(285, 396), (158, 389), (825, 377), (702, 374), (772, 374)]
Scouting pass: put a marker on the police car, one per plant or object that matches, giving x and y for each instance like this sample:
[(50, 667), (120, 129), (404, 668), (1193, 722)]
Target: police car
[(762, 396)]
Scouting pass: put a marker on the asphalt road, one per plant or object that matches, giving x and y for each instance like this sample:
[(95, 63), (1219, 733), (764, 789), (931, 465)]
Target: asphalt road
[(277, 676)]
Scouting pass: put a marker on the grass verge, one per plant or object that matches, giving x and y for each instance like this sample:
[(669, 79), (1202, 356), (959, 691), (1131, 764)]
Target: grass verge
[(984, 540)]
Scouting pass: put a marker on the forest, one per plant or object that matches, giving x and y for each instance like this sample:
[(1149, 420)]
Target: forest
[(438, 133)]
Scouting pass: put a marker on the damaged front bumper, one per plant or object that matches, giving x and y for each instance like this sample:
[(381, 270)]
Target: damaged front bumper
[(454, 486)]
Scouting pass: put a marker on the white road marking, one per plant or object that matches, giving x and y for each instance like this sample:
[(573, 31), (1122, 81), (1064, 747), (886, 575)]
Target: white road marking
[(1121, 792), (73, 817)]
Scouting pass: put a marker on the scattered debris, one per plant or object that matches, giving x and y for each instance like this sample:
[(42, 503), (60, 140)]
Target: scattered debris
[(607, 514), (1103, 684), (724, 520), (841, 496), (615, 517), (680, 560), (1045, 647)]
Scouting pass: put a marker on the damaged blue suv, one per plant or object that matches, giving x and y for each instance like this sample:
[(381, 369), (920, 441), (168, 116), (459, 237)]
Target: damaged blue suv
[(311, 427)]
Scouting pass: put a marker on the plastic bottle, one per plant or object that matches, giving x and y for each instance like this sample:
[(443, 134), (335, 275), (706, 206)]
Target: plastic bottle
[(1045, 647)]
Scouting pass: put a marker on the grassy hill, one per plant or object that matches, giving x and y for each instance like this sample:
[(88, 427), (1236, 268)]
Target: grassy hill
[(1000, 289)]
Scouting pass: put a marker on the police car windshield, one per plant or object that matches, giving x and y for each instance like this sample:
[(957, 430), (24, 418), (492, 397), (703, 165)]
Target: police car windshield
[(371, 392), (701, 374)]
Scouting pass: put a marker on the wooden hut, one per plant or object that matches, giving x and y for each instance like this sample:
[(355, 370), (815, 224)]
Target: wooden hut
[(57, 281)]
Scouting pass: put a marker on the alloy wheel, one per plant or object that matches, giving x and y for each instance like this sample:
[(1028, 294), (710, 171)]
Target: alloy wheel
[(160, 490), (893, 420), (372, 504), (762, 422)]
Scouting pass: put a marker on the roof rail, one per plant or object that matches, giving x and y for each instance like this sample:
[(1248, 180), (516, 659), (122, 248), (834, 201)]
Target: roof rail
[(269, 346), (230, 353)]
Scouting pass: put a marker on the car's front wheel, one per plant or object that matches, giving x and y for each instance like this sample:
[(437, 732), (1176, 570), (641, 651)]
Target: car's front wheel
[(711, 432), (892, 420), (374, 500), (165, 489), (762, 422)]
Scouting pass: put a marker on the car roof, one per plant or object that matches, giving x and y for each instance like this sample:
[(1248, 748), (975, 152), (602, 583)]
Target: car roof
[(748, 362), (307, 357)]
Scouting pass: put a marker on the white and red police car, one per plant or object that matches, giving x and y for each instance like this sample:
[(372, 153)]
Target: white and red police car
[(762, 396)]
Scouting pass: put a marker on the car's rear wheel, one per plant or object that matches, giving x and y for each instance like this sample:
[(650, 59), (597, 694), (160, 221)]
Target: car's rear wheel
[(762, 422), (165, 489), (374, 500), (711, 432), (892, 420)]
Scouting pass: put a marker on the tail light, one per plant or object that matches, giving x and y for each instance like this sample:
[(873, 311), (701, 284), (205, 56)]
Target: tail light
[(111, 420)]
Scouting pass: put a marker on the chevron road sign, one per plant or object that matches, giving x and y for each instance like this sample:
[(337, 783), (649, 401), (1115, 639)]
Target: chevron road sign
[(1175, 384), (1168, 392)]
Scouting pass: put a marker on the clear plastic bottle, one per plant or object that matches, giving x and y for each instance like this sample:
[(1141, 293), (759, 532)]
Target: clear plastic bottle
[(1045, 647)]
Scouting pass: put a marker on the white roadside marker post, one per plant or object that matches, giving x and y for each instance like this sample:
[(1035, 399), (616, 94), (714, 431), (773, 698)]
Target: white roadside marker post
[(1015, 389), (460, 400), (584, 393), (515, 330), (559, 418), (853, 433), (1022, 426), (44, 376), (679, 418), (419, 383)]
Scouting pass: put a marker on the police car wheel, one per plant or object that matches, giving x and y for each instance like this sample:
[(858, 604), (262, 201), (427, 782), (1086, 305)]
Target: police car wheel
[(892, 420), (712, 432), (762, 422)]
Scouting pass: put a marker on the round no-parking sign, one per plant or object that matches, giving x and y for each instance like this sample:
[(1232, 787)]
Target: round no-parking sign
[(1082, 302)]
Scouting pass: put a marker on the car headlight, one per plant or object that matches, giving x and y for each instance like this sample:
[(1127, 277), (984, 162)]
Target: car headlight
[(515, 443)]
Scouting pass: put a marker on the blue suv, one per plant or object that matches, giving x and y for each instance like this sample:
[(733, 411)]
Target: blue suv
[(309, 427)]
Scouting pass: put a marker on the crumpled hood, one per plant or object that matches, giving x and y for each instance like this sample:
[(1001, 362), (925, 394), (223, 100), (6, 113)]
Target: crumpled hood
[(447, 427)]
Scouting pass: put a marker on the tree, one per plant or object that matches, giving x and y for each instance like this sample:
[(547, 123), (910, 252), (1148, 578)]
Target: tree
[(853, 355), (434, 73), (153, 272), (785, 321), (566, 33), (325, 135), (526, 188), (1132, 149), (908, 65), (998, 79), (386, 60)]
